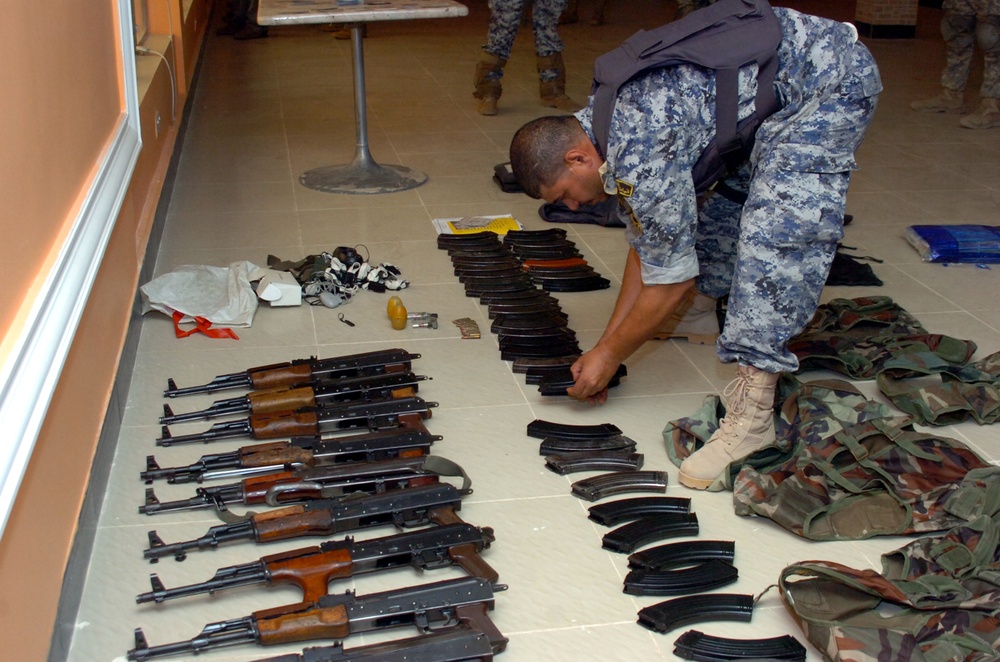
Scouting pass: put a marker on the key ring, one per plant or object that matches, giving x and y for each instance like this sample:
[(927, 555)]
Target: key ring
[(343, 319)]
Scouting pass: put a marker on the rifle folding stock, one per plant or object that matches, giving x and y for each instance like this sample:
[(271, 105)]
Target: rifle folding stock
[(317, 393), (427, 607), (458, 643), (335, 481), (374, 415), (313, 568), (404, 508), (411, 440)]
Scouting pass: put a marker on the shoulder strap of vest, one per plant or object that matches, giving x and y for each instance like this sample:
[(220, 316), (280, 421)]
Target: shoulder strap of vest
[(723, 36)]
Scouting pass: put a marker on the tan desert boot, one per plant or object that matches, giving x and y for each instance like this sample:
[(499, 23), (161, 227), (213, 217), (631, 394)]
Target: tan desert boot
[(747, 427), (949, 101), (987, 116), (552, 93), (488, 87)]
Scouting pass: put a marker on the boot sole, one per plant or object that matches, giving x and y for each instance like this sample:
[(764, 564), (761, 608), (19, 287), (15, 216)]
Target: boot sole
[(694, 483)]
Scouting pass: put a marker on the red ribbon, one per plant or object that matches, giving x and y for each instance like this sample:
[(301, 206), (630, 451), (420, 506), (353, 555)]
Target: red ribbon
[(202, 325)]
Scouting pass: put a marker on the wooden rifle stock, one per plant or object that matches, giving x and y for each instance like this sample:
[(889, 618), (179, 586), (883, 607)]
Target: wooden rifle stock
[(281, 399), (292, 522), (284, 424), (275, 453), (310, 572), (280, 376), (301, 622)]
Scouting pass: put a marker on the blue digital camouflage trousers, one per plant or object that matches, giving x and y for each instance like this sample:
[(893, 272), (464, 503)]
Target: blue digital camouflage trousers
[(967, 23), (505, 18), (772, 255)]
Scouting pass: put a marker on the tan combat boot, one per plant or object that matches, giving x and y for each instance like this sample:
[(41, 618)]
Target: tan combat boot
[(986, 116), (747, 427), (553, 92), (488, 87), (694, 319), (949, 101)]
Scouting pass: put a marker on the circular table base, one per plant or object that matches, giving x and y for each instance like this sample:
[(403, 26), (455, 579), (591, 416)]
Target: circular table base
[(362, 178)]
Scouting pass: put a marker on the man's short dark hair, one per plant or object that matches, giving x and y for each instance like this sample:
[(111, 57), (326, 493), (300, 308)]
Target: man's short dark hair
[(538, 150)]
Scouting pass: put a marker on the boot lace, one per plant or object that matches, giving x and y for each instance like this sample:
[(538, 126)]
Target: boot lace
[(735, 398), (735, 395)]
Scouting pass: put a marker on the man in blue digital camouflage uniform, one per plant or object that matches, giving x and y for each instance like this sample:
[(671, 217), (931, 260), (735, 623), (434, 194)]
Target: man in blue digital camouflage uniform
[(771, 255), (505, 18)]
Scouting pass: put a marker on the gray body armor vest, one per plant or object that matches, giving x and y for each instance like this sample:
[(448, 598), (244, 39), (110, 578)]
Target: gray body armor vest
[(723, 37)]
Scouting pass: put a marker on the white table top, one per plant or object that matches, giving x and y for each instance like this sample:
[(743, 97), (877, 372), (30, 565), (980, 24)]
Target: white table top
[(298, 12)]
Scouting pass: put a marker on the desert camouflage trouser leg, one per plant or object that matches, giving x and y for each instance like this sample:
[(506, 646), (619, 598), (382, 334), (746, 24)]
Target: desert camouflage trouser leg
[(773, 257), (962, 32), (505, 18)]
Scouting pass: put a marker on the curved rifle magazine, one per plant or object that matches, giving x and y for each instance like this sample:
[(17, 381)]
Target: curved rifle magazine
[(671, 614), (696, 579), (694, 645), (625, 539), (541, 429), (618, 482), (625, 510), (677, 554), (559, 445), (567, 463)]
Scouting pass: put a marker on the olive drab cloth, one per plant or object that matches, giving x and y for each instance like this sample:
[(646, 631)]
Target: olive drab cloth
[(926, 375), (845, 467), (855, 337), (936, 392), (935, 600)]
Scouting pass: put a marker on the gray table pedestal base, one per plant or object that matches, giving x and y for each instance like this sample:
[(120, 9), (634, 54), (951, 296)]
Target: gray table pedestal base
[(362, 178), (363, 174)]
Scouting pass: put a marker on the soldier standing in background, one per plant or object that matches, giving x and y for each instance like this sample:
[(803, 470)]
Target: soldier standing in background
[(505, 17), (966, 23)]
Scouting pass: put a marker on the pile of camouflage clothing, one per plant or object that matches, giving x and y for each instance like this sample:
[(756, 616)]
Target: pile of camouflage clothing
[(849, 468)]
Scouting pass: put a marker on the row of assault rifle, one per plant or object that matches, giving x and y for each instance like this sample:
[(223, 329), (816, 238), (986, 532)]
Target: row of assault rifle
[(323, 486), (458, 607), (309, 397)]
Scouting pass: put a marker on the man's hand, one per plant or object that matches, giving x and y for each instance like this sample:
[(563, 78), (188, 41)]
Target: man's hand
[(591, 374)]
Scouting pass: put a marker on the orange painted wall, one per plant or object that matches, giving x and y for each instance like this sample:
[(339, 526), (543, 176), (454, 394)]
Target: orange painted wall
[(62, 100)]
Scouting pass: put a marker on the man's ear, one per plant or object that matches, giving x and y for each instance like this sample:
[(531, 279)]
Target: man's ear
[(582, 155)]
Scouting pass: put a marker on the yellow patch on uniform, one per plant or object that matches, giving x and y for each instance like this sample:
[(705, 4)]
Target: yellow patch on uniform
[(624, 188), (630, 213)]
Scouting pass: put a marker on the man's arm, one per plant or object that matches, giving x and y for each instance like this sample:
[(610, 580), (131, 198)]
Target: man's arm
[(639, 311)]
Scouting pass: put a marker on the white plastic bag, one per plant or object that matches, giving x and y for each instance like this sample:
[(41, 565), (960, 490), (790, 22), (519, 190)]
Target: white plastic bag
[(221, 295)]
